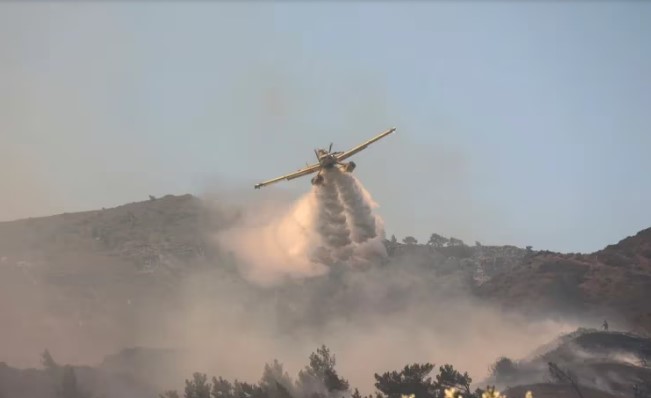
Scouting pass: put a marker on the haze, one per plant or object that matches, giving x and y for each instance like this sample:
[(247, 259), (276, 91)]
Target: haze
[(524, 124)]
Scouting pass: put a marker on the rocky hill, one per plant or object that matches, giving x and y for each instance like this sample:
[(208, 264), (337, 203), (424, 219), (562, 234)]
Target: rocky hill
[(614, 282), (156, 234)]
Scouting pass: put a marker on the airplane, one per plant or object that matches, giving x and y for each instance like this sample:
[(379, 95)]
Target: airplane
[(327, 160)]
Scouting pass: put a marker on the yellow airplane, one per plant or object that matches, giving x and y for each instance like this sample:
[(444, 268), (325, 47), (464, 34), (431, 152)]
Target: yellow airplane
[(327, 160)]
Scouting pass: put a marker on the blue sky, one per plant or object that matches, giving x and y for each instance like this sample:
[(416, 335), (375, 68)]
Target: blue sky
[(521, 123)]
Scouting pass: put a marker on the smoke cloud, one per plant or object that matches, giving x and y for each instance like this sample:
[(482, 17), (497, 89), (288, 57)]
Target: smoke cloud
[(374, 320), (292, 252), (273, 242), (333, 224), (357, 206)]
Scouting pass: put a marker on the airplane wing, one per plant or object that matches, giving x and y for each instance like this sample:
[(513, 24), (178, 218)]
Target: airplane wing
[(302, 172), (360, 147)]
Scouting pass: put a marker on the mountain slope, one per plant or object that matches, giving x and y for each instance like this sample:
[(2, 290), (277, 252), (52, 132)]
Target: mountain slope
[(615, 282), (80, 282), (100, 271)]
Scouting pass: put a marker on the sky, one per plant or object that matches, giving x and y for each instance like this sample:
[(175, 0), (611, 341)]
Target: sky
[(522, 123)]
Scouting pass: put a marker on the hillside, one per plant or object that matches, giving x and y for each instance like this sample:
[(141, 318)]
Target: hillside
[(599, 362), (91, 275), (111, 260), (613, 282), (86, 285), (149, 235)]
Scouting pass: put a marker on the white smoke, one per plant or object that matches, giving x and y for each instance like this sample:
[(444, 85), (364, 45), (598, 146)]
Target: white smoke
[(367, 228), (360, 213), (272, 243), (332, 224)]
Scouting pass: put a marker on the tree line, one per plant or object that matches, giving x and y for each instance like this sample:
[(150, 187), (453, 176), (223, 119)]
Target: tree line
[(435, 240), (320, 379)]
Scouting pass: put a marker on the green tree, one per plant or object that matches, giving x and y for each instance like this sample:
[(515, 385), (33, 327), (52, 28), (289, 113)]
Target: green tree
[(320, 378), (448, 377), (412, 379), (275, 382), (437, 240), (222, 388), (246, 390), (504, 370), (198, 387), (455, 242), (410, 240)]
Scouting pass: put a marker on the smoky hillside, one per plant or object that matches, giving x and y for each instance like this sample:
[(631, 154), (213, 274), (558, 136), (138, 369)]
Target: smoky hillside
[(585, 362), (198, 278)]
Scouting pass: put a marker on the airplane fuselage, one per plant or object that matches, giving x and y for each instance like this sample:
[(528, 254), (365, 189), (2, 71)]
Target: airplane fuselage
[(327, 161)]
